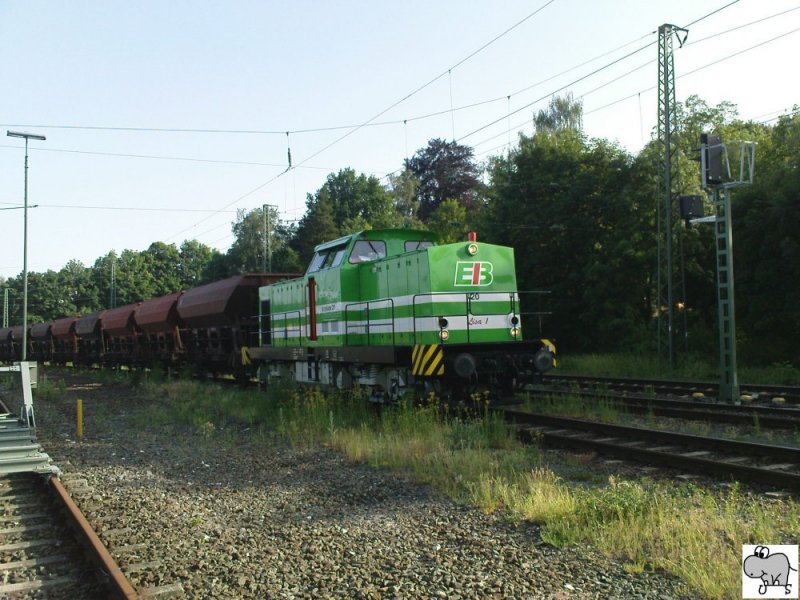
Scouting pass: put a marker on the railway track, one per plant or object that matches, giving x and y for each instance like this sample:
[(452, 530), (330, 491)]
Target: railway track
[(758, 392), (772, 417), (47, 547), (40, 554), (777, 466)]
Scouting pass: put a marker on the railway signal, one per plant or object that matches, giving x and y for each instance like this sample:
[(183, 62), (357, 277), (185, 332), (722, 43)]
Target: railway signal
[(716, 175)]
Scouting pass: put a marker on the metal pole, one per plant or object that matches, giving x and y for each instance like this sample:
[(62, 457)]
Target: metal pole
[(264, 251), (25, 264), (729, 382), (269, 241), (266, 260), (27, 136)]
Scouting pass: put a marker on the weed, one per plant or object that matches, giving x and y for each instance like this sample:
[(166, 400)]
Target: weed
[(49, 388)]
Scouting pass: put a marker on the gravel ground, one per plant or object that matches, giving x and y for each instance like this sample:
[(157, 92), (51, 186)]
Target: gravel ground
[(234, 515)]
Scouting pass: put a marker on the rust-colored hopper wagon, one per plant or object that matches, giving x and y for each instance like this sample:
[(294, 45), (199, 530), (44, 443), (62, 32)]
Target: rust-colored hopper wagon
[(159, 324), (221, 322), (91, 346), (65, 342), (119, 329), (41, 342)]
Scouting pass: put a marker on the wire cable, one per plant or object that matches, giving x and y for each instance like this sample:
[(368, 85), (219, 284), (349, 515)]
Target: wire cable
[(548, 95), (126, 208), (716, 62), (738, 27), (384, 111)]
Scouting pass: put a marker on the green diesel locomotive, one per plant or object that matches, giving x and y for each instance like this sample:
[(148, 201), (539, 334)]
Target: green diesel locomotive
[(393, 310)]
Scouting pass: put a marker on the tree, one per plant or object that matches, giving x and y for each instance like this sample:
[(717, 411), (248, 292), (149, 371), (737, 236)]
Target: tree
[(78, 293), (766, 229), (445, 170), (562, 202), (255, 238), (163, 261), (449, 221), (404, 187), (195, 259), (563, 112), (316, 226), (346, 203)]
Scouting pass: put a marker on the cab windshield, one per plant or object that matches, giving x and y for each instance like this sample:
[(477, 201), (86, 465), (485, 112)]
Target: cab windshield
[(367, 251), (325, 259)]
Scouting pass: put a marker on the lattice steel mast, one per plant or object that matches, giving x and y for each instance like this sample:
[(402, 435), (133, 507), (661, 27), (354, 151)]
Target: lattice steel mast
[(667, 169)]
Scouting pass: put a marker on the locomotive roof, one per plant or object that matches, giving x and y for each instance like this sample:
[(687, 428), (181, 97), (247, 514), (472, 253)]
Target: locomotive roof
[(403, 234)]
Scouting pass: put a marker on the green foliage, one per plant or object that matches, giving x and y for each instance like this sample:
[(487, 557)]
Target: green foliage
[(563, 203), (767, 249), (261, 240), (563, 112), (405, 187), (690, 532), (344, 204), (450, 221)]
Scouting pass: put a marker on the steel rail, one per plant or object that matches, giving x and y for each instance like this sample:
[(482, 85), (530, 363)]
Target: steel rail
[(669, 449), (765, 416), (791, 393), (119, 586)]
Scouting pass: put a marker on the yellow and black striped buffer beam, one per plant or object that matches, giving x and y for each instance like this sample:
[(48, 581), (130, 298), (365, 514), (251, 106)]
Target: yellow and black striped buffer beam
[(427, 360)]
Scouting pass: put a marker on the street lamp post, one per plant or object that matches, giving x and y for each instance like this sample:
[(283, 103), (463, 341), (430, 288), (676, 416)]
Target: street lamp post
[(27, 136)]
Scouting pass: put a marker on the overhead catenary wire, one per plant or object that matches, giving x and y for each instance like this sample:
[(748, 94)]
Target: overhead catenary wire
[(560, 89), (384, 111), (544, 97), (125, 208), (405, 121), (162, 157), (693, 71), (604, 67), (284, 131), (638, 93)]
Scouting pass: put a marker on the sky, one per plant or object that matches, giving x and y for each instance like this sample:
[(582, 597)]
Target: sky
[(164, 118)]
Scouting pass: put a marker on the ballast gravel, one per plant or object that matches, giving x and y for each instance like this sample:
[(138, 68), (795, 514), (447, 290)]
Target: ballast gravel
[(233, 513)]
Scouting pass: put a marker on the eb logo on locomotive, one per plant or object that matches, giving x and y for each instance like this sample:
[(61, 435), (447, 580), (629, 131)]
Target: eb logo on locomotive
[(473, 273)]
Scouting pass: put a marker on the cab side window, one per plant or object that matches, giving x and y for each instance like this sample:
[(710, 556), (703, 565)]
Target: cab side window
[(316, 262), (326, 259), (367, 251)]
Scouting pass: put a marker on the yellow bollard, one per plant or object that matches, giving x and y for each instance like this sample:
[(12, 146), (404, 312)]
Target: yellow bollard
[(80, 418)]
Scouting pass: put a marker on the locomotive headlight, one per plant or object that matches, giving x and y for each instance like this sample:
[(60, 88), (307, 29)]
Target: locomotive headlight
[(444, 335), (515, 320), (472, 249), (442, 323), (515, 332)]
